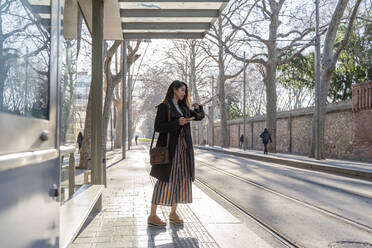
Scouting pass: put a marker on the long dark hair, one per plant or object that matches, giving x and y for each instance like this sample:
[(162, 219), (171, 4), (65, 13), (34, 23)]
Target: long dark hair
[(170, 94)]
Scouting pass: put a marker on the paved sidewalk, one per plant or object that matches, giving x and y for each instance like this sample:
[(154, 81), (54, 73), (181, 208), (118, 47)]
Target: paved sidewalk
[(126, 205), (362, 170)]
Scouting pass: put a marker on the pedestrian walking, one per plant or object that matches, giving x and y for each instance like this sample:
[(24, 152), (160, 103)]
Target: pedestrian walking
[(174, 179), (241, 140), (266, 137), (136, 138), (80, 140)]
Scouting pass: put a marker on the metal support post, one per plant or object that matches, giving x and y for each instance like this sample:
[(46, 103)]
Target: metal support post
[(212, 114), (26, 83), (129, 115), (111, 127), (317, 84), (244, 118), (124, 97), (97, 93)]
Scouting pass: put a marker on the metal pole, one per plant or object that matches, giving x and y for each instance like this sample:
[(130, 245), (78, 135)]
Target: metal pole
[(124, 96), (212, 111), (244, 118), (111, 123), (317, 84), (26, 82), (97, 93), (129, 115), (199, 134)]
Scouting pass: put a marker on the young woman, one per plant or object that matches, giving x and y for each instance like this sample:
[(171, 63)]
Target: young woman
[(174, 179)]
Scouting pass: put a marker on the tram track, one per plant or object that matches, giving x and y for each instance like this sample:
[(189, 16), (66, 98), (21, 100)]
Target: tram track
[(274, 231), (278, 235), (309, 205)]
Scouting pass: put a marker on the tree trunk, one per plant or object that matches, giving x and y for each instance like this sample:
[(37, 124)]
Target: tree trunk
[(196, 98), (270, 75), (129, 109), (118, 125), (106, 114), (221, 81), (328, 65), (111, 82), (210, 126), (271, 104), (191, 84), (68, 88), (85, 151)]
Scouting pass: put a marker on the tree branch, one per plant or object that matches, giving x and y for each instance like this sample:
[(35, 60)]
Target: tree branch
[(348, 31), (284, 61), (7, 35), (246, 32), (253, 60), (234, 75)]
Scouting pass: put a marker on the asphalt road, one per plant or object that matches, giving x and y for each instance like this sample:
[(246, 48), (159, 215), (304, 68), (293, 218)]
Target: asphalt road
[(312, 209)]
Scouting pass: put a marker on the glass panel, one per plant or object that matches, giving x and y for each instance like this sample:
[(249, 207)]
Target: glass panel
[(69, 54), (64, 186), (24, 58), (83, 79)]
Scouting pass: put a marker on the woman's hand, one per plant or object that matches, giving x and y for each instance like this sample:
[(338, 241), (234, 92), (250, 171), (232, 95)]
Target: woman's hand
[(196, 105), (184, 120)]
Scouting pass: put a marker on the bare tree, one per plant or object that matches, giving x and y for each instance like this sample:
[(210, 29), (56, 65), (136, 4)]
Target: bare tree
[(188, 61), (330, 54), (117, 95), (221, 37), (111, 81), (266, 16)]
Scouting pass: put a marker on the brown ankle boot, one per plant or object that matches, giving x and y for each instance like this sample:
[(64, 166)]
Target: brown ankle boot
[(175, 219), (155, 221)]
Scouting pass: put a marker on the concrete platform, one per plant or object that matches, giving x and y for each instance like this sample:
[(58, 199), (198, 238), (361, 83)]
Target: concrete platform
[(354, 169), (126, 205)]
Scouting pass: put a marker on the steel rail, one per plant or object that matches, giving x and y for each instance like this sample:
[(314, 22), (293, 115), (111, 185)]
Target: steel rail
[(278, 235), (306, 204)]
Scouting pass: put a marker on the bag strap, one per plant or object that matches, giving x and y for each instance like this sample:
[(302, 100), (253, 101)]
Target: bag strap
[(169, 118)]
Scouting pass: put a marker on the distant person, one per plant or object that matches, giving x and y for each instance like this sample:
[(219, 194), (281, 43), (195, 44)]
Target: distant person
[(80, 140), (265, 135), (136, 138), (241, 140)]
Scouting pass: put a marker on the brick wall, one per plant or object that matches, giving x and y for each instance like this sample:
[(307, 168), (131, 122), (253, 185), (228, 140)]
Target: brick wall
[(362, 120)]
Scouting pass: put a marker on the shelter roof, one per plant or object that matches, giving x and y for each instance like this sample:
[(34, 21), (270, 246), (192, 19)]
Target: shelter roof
[(145, 19)]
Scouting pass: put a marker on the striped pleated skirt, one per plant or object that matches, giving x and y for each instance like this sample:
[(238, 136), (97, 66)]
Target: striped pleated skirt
[(179, 188)]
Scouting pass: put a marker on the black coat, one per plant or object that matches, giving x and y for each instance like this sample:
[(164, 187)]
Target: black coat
[(266, 137), (162, 126)]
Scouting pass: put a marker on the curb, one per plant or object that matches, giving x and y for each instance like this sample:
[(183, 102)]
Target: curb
[(364, 175)]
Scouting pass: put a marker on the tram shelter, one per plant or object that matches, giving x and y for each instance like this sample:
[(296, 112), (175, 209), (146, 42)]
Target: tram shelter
[(30, 137)]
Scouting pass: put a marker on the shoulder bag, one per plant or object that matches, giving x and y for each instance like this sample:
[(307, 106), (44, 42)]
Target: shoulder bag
[(160, 155)]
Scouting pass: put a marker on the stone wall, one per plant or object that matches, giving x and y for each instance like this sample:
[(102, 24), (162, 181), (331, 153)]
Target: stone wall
[(348, 128), (294, 132)]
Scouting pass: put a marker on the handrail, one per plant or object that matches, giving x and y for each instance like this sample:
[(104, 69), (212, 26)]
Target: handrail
[(64, 150)]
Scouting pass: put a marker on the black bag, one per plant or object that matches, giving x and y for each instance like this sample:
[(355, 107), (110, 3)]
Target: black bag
[(160, 155)]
